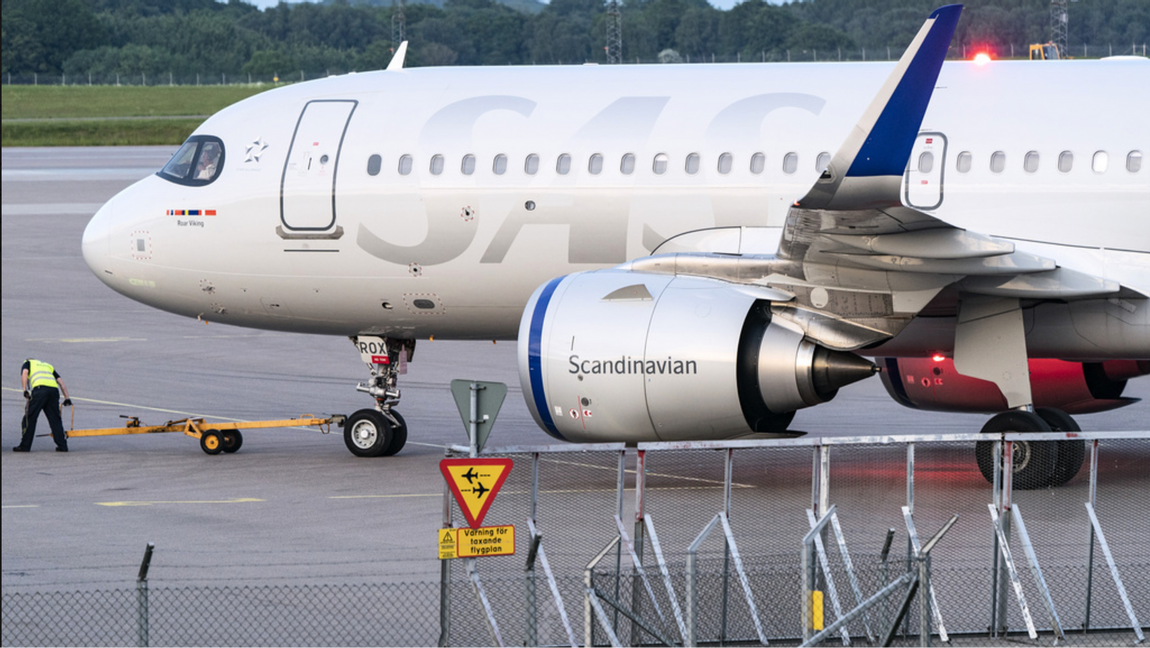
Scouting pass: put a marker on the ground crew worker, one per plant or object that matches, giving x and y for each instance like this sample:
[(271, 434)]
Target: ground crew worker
[(42, 387)]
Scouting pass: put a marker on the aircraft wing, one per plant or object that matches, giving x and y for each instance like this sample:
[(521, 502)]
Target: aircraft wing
[(857, 263)]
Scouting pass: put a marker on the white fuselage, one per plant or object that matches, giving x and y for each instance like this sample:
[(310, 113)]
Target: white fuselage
[(313, 233)]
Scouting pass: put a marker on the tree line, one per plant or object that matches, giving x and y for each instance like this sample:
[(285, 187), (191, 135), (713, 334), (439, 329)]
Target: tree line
[(184, 37)]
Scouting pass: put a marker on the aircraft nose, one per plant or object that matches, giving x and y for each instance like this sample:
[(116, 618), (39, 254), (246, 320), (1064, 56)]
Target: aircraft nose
[(96, 243)]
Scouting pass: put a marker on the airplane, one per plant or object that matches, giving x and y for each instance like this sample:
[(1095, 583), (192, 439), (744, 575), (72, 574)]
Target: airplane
[(688, 252), (470, 475), (480, 490)]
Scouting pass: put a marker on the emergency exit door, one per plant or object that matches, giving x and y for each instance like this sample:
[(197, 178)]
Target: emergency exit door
[(307, 189), (924, 172)]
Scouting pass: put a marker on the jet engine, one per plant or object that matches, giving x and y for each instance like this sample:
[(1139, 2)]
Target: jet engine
[(614, 355), (1073, 387)]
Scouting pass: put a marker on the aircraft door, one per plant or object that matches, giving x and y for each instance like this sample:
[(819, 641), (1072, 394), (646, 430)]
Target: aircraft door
[(922, 183), (307, 188)]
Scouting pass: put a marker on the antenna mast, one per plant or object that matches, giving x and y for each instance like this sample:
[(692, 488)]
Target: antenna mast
[(614, 46), (398, 24), (1059, 16)]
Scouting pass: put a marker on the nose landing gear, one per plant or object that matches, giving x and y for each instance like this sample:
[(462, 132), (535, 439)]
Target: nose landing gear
[(379, 431)]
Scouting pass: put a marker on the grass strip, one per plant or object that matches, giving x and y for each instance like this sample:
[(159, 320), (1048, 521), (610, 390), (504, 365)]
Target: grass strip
[(63, 102), (120, 132)]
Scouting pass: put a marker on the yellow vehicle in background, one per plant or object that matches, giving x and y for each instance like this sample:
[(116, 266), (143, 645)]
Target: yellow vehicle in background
[(1044, 52)]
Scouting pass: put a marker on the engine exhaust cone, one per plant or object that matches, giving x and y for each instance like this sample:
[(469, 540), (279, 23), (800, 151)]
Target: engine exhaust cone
[(834, 369)]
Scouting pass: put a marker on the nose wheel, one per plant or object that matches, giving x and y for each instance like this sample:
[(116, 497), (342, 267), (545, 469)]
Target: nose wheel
[(371, 433)]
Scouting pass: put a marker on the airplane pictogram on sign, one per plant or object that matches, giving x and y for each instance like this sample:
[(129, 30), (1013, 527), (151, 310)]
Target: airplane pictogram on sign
[(475, 483)]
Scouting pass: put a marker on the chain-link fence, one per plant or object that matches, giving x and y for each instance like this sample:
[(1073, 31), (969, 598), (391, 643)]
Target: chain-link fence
[(395, 614), (959, 52), (711, 543)]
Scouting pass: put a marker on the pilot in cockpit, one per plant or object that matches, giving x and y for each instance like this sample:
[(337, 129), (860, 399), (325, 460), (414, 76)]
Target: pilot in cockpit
[(209, 157)]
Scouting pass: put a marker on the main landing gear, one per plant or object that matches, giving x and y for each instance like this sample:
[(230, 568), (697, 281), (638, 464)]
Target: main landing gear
[(1034, 464), (379, 431)]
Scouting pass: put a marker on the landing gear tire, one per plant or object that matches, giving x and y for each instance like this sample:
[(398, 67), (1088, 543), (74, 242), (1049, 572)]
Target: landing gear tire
[(398, 435), (233, 440), (211, 442), (367, 433), (1034, 463), (1071, 454)]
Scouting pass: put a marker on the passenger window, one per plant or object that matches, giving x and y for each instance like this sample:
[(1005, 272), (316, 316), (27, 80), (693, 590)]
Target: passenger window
[(963, 163), (1101, 162), (824, 161), (725, 163), (627, 164), (595, 164), (692, 165), (1065, 161), (1134, 161), (659, 166), (468, 164), (373, 164), (790, 162), (531, 164), (1030, 162), (997, 161), (198, 162), (499, 164), (926, 162), (436, 164), (758, 163), (563, 164), (405, 165)]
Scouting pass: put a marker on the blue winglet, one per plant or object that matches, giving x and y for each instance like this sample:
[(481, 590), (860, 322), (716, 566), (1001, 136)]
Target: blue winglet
[(888, 145)]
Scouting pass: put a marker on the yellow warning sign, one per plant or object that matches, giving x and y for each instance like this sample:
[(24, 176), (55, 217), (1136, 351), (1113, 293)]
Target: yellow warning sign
[(448, 547), (475, 482), (487, 541), (466, 542)]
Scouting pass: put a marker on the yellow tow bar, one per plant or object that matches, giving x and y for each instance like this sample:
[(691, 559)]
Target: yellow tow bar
[(214, 437)]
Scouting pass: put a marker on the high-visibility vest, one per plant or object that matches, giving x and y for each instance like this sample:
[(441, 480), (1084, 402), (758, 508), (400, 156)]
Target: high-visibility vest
[(40, 374)]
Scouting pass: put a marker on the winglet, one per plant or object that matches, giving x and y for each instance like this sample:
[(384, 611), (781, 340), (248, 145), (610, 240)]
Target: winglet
[(867, 169), (396, 62)]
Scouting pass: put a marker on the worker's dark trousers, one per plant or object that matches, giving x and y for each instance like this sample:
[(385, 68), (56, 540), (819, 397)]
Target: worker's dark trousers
[(48, 400)]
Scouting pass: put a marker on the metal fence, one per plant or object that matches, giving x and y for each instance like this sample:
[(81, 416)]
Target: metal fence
[(826, 541), (161, 78)]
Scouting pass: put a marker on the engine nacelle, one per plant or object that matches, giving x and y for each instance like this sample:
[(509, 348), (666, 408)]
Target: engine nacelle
[(621, 356), (1074, 387)]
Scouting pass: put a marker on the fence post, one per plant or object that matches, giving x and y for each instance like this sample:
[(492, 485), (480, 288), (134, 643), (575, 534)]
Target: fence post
[(142, 597), (445, 575), (532, 627)]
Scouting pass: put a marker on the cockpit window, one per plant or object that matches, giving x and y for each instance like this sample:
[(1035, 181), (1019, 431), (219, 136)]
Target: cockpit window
[(197, 163)]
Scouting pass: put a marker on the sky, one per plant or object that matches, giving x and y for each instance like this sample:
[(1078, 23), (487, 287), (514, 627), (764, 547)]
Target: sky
[(721, 4)]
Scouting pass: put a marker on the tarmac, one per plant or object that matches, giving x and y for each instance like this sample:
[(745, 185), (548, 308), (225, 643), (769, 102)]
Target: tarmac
[(293, 505)]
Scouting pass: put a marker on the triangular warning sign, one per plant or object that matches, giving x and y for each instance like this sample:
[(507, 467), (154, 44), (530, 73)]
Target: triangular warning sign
[(475, 483), (447, 537)]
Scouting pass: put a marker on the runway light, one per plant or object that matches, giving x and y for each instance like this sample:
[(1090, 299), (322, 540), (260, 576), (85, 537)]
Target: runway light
[(982, 58)]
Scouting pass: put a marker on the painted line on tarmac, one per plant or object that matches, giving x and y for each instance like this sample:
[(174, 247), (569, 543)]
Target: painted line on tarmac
[(238, 500), (145, 407), (384, 496), (20, 506), (649, 474), (48, 209), (87, 340)]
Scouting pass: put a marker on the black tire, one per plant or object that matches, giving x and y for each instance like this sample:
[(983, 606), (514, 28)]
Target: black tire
[(367, 433), (398, 436), (211, 442), (1071, 454), (233, 441), (1034, 462)]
